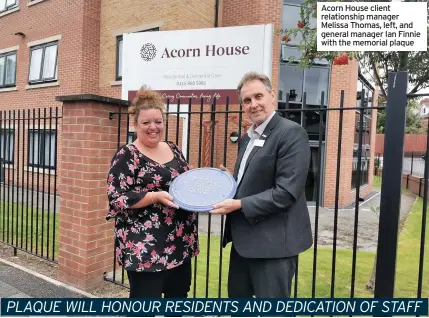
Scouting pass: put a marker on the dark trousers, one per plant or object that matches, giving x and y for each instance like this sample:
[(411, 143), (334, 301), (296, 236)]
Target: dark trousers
[(173, 283), (262, 278)]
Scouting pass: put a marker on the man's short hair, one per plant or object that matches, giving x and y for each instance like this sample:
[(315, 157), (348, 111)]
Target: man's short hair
[(252, 76)]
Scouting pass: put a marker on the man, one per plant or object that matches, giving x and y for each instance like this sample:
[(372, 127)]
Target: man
[(268, 221)]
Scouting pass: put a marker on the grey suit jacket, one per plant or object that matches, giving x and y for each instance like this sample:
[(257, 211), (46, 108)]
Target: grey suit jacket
[(274, 221)]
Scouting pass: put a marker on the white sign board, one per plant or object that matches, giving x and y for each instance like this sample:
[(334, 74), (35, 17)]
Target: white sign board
[(196, 63)]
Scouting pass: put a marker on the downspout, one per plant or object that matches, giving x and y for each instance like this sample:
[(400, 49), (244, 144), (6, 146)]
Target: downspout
[(216, 14)]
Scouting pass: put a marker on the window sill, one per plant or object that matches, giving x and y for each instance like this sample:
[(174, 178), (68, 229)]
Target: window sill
[(40, 170), (8, 89), (32, 3), (9, 12), (116, 83), (42, 85)]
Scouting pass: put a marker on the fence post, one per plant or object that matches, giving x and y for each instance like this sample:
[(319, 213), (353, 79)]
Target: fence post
[(89, 141), (390, 199)]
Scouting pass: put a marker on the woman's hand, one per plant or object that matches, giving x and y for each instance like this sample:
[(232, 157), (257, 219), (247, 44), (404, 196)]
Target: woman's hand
[(164, 198)]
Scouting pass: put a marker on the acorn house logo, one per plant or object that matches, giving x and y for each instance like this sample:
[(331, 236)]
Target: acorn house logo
[(148, 52)]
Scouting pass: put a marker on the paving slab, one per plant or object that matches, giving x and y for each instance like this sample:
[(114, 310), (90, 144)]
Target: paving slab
[(7, 290), (17, 283)]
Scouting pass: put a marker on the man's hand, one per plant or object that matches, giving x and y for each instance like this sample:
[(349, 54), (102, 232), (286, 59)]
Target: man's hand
[(227, 206), (224, 169)]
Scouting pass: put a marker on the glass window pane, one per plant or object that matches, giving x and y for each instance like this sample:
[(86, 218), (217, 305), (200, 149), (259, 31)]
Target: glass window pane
[(9, 3), (3, 143), (2, 5), (291, 16), (46, 145), (10, 69), (49, 61), (11, 145), (359, 92), (34, 148), (52, 146), (7, 145), (291, 81), (36, 60), (120, 58), (290, 53), (2, 62), (315, 82)]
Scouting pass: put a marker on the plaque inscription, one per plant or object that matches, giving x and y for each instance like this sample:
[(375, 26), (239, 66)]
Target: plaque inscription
[(199, 189)]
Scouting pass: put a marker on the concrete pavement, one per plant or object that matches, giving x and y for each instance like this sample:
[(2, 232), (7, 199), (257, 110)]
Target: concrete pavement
[(17, 282)]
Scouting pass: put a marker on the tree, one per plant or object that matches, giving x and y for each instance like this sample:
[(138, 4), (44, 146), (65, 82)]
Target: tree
[(376, 64), (413, 120)]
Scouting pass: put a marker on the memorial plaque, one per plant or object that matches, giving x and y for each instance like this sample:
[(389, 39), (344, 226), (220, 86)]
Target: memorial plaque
[(197, 190)]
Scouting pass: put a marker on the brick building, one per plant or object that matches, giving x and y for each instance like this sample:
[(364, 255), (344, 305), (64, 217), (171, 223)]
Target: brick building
[(50, 48)]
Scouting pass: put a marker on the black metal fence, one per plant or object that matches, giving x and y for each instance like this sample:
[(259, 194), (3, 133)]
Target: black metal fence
[(339, 264), (28, 173)]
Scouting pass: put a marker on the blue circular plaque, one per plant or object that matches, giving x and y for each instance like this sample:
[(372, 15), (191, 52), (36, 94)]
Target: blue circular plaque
[(197, 190)]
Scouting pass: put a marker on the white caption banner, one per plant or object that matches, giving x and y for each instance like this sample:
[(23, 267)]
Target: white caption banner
[(372, 26)]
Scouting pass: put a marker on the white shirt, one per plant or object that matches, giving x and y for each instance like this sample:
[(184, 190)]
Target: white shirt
[(254, 134)]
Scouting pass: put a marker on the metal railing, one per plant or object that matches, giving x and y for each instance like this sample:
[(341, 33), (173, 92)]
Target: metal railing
[(29, 170), (210, 141)]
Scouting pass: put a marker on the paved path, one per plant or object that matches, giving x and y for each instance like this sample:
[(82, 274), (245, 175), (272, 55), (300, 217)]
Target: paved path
[(367, 227), (15, 283)]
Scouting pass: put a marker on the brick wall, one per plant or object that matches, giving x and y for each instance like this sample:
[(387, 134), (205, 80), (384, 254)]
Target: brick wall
[(76, 26), (343, 77), (412, 143), (242, 12), (118, 18), (89, 142)]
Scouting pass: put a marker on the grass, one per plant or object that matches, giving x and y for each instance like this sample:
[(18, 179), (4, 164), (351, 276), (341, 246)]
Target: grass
[(407, 268), (365, 261), (29, 228), (206, 281)]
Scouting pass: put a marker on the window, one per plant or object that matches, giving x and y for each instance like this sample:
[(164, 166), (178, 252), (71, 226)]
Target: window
[(131, 137), (290, 18), (295, 81), (7, 145), (369, 91), (8, 69), (43, 63), (365, 154), (6, 5), (119, 41), (42, 148), (119, 45)]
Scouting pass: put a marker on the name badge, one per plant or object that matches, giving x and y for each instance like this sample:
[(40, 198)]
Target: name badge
[(259, 143)]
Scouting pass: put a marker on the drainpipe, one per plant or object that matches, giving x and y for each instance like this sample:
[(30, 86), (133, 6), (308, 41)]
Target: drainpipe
[(216, 14)]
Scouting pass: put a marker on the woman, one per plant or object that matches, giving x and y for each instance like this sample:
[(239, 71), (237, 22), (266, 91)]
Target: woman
[(155, 239)]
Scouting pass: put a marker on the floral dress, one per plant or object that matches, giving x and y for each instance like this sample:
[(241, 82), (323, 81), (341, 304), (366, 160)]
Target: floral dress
[(156, 237)]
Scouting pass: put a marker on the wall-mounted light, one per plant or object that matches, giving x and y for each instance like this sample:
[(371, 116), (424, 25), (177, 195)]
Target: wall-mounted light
[(233, 137)]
